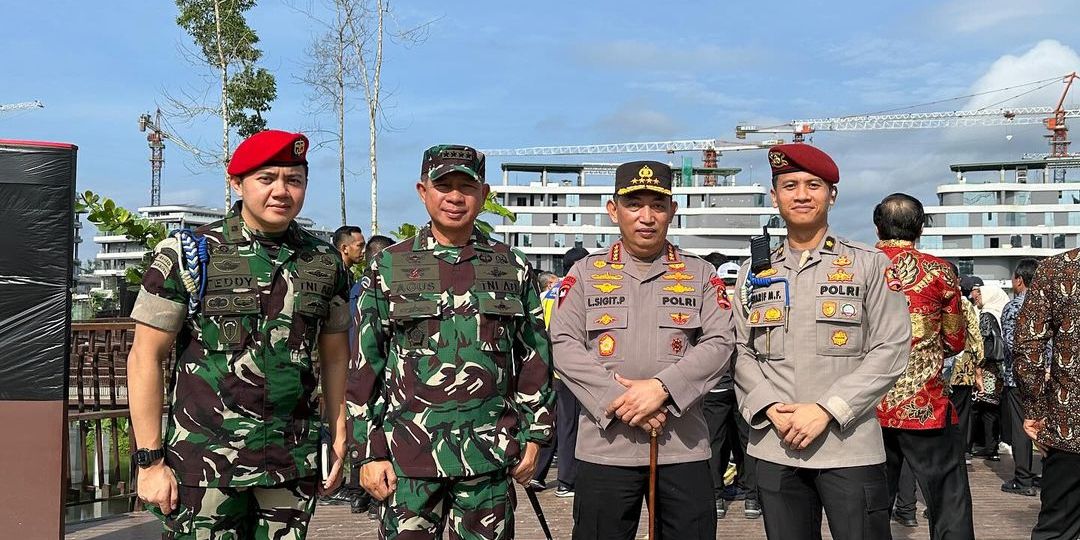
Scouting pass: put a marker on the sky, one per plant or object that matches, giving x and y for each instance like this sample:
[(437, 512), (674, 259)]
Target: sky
[(502, 75)]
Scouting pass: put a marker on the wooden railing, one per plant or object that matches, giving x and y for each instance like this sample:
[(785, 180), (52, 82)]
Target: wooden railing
[(99, 468)]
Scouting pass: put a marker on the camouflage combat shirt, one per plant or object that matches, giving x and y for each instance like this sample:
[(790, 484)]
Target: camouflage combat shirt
[(242, 407), (453, 375)]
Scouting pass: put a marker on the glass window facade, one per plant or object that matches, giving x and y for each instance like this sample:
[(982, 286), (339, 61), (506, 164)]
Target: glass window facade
[(956, 220), (930, 242), (980, 198)]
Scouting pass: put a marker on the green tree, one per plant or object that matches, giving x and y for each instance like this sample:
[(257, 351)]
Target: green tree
[(228, 46), (112, 219)]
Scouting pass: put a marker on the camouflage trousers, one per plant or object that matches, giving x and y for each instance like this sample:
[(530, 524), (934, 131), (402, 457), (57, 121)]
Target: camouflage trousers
[(278, 512), (477, 507)]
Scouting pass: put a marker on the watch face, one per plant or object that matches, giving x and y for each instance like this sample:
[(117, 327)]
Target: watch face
[(142, 458)]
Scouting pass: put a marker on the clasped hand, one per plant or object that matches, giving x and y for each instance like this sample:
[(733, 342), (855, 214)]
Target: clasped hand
[(640, 404), (798, 424)]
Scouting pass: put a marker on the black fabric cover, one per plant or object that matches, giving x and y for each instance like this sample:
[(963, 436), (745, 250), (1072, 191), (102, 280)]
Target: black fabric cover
[(37, 190)]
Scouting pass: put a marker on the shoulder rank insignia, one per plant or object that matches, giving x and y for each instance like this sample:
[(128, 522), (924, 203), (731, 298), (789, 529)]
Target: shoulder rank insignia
[(678, 288), (606, 287), (830, 243)]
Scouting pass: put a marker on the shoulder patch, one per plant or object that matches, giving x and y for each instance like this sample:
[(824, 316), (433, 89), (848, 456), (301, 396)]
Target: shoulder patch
[(722, 299), (564, 288), (892, 280)]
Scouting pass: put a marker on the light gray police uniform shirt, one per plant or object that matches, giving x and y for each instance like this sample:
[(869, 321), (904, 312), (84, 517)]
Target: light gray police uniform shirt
[(843, 344), (671, 320)]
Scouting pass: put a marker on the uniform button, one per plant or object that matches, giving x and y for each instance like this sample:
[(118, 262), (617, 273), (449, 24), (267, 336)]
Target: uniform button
[(355, 454)]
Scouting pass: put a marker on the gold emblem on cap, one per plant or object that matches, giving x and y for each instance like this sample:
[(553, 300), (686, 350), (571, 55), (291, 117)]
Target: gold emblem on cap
[(298, 147), (777, 159), (645, 176)]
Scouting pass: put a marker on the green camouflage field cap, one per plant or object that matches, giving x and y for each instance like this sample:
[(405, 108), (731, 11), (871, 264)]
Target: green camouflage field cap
[(443, 159)]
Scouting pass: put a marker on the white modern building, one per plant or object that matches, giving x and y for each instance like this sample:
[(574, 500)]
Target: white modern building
[(116, 252), (560, 206), (995, 214)]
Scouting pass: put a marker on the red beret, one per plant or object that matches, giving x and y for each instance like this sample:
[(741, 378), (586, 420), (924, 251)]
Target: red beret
[(799, 157), (270, 147)]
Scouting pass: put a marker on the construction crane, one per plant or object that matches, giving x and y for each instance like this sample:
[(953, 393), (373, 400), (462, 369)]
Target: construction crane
[(710, 149), (156, 140), (1052, 117), (12, 107)]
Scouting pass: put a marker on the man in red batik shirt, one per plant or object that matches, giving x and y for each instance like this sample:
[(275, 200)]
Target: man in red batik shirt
[(917, 419)]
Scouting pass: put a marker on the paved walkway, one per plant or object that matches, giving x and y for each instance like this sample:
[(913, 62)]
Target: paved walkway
[(998, 516)]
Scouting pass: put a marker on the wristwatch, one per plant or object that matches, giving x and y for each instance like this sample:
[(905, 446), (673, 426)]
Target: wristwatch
[(145, 458), (665, 389)]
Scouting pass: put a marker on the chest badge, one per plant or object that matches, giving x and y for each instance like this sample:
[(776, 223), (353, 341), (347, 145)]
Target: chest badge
[(828, 308), (755, 317), (607, 276), (677, 266), (840, 276), (599, 264), (839, 338), (768, 272), (605, 319), (842, 261), (773, 314), (679, 288), (680, 318), (606, 287), (676, 345), (606, 345), (678, 276), (617, 266)]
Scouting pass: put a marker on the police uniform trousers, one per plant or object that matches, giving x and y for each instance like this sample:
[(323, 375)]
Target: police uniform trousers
[(1013, 424), (855, 499), (567, 409), (476, 507), (608, 500), (279, 512), (937, 462), (1059, 518), (728, 437)]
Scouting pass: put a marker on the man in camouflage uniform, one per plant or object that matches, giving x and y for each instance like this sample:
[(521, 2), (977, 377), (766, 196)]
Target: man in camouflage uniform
[(450, 395), (240, 448)]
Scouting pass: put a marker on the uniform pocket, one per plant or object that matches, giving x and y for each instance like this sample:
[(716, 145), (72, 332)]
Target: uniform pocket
[(678, 329), (416, 327), (181, 521), (498, 321), (606, 328), (839, 326), (767, 335)]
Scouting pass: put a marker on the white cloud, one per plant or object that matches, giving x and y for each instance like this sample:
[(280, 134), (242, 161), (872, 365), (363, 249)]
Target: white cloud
[(1048, 58)]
